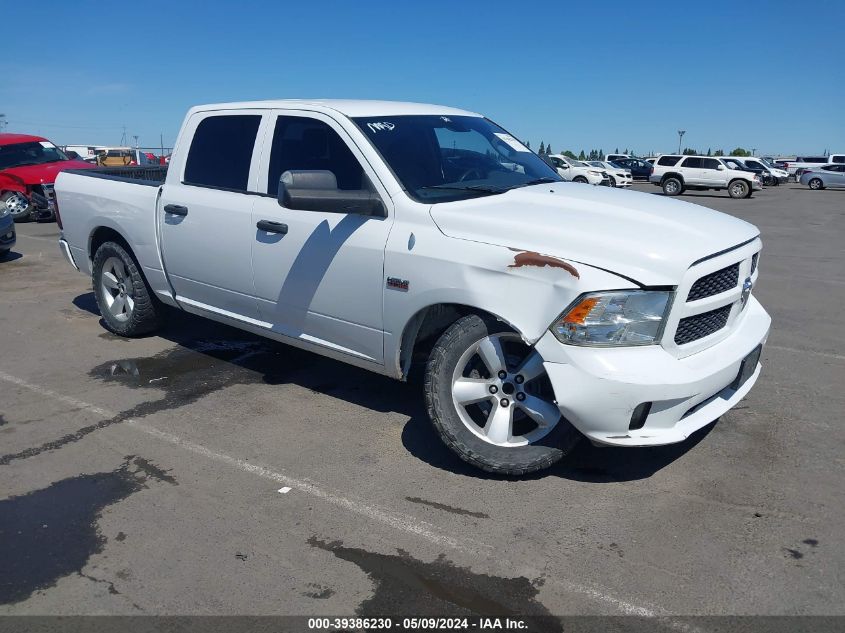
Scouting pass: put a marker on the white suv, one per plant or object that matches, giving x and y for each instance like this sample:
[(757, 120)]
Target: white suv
[(677, 174)]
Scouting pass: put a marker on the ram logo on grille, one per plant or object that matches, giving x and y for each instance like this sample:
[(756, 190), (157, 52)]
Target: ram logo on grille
[(747, 285)]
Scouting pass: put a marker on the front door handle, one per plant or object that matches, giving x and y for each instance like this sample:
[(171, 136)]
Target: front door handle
[(175, 209), (272, 227)]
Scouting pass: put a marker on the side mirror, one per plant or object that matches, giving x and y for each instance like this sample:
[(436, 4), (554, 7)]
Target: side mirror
[(316, 190), (721, 167)]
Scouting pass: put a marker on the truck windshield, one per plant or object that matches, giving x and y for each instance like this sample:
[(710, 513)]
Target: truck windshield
[(31, 153), (447, 158)]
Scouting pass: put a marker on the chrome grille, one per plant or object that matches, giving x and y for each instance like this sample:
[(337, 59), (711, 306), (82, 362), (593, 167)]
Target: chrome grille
[(695, 327), (715, 283)]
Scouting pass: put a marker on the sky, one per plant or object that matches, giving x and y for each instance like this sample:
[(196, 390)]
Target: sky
[(576, 75)]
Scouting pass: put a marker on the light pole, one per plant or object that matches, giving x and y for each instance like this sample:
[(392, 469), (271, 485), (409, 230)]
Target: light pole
[(680, 139)]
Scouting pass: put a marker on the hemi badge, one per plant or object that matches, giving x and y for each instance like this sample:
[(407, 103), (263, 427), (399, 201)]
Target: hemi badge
[(397, 284)]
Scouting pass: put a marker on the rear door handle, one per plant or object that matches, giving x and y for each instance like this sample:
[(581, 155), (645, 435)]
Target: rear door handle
[(272, 227), (175, 209)]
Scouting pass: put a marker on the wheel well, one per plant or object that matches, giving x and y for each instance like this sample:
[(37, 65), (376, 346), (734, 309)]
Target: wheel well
[(103, 234), (747, 182), (671, 175), (424, 329)]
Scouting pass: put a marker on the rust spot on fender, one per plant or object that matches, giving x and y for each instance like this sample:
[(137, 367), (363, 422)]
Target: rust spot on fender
[(530, 258)]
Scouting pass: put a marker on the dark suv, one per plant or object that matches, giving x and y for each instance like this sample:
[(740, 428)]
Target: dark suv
[(640, 169)]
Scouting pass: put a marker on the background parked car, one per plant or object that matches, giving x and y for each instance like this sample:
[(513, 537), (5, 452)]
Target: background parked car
[(640, 169), (676, 174), (29, 165), (750, 166), (619, 176), (124, 157), (832, 175), (806, 162), (7, 231), (578, 171)]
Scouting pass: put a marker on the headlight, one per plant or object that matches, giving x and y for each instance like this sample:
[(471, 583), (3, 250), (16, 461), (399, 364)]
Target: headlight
[(595, 173), (606, 319)]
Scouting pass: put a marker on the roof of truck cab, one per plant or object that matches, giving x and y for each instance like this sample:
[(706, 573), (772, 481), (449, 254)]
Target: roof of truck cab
[(11, 139), (348, 107)]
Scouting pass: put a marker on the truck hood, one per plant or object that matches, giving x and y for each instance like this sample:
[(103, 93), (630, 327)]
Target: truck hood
[(647, 238), (45, 172)]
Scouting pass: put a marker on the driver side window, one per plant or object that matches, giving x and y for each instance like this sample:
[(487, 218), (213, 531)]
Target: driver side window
[(300, 143)]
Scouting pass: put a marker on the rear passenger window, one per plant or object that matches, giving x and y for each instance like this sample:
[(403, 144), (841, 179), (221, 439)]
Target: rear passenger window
[(221, 152), (303, 143), (709, 163), (668, 161), (838, 159), (693, 161)]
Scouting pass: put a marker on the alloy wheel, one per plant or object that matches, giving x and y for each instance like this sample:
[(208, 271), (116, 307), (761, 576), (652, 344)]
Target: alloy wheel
[(502, 393), (116, 289)]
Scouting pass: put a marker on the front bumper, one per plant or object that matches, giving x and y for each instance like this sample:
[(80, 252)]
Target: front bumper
[(598, 389), (7, 233), (756, 185)]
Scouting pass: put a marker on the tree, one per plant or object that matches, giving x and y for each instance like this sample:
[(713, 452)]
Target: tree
[(626, 151), (549, 149), (582, 155), (708, 152), (528, 144), (719, 152), (739, 151), (542, 149), (690, 150), (572, 154), (617, 151)]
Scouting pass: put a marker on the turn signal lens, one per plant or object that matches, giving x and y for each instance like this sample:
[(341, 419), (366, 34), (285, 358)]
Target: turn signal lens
[(580, 312)]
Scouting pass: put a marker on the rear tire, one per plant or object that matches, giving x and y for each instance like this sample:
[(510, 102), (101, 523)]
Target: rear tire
[(482, 416), (815, 184), (739, 189), (672, 186), (126, 303), (19, 207)]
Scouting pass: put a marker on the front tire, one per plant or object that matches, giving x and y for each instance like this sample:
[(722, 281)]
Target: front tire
[(491, 401), (20, 208), (126, 303), (739, 189), (580, 179), (672, 186), (815, 184)]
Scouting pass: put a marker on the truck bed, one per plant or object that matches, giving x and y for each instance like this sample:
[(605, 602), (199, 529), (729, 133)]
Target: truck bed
[(142, 175), (118, 199)]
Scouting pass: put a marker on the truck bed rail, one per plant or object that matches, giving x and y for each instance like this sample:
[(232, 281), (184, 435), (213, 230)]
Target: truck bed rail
[(142, 175)]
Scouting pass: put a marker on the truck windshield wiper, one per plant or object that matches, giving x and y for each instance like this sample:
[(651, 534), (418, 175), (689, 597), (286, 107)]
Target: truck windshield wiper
[(536, 181), (479, 188)]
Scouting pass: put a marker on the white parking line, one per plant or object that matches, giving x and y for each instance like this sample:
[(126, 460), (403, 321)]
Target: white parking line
[(403, 522), (52, 240)]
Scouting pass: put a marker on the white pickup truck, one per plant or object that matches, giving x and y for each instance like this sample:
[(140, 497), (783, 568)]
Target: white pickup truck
[(387, 234)]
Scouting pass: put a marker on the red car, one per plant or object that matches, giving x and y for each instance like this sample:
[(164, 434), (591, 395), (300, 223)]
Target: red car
[(28, 168)]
